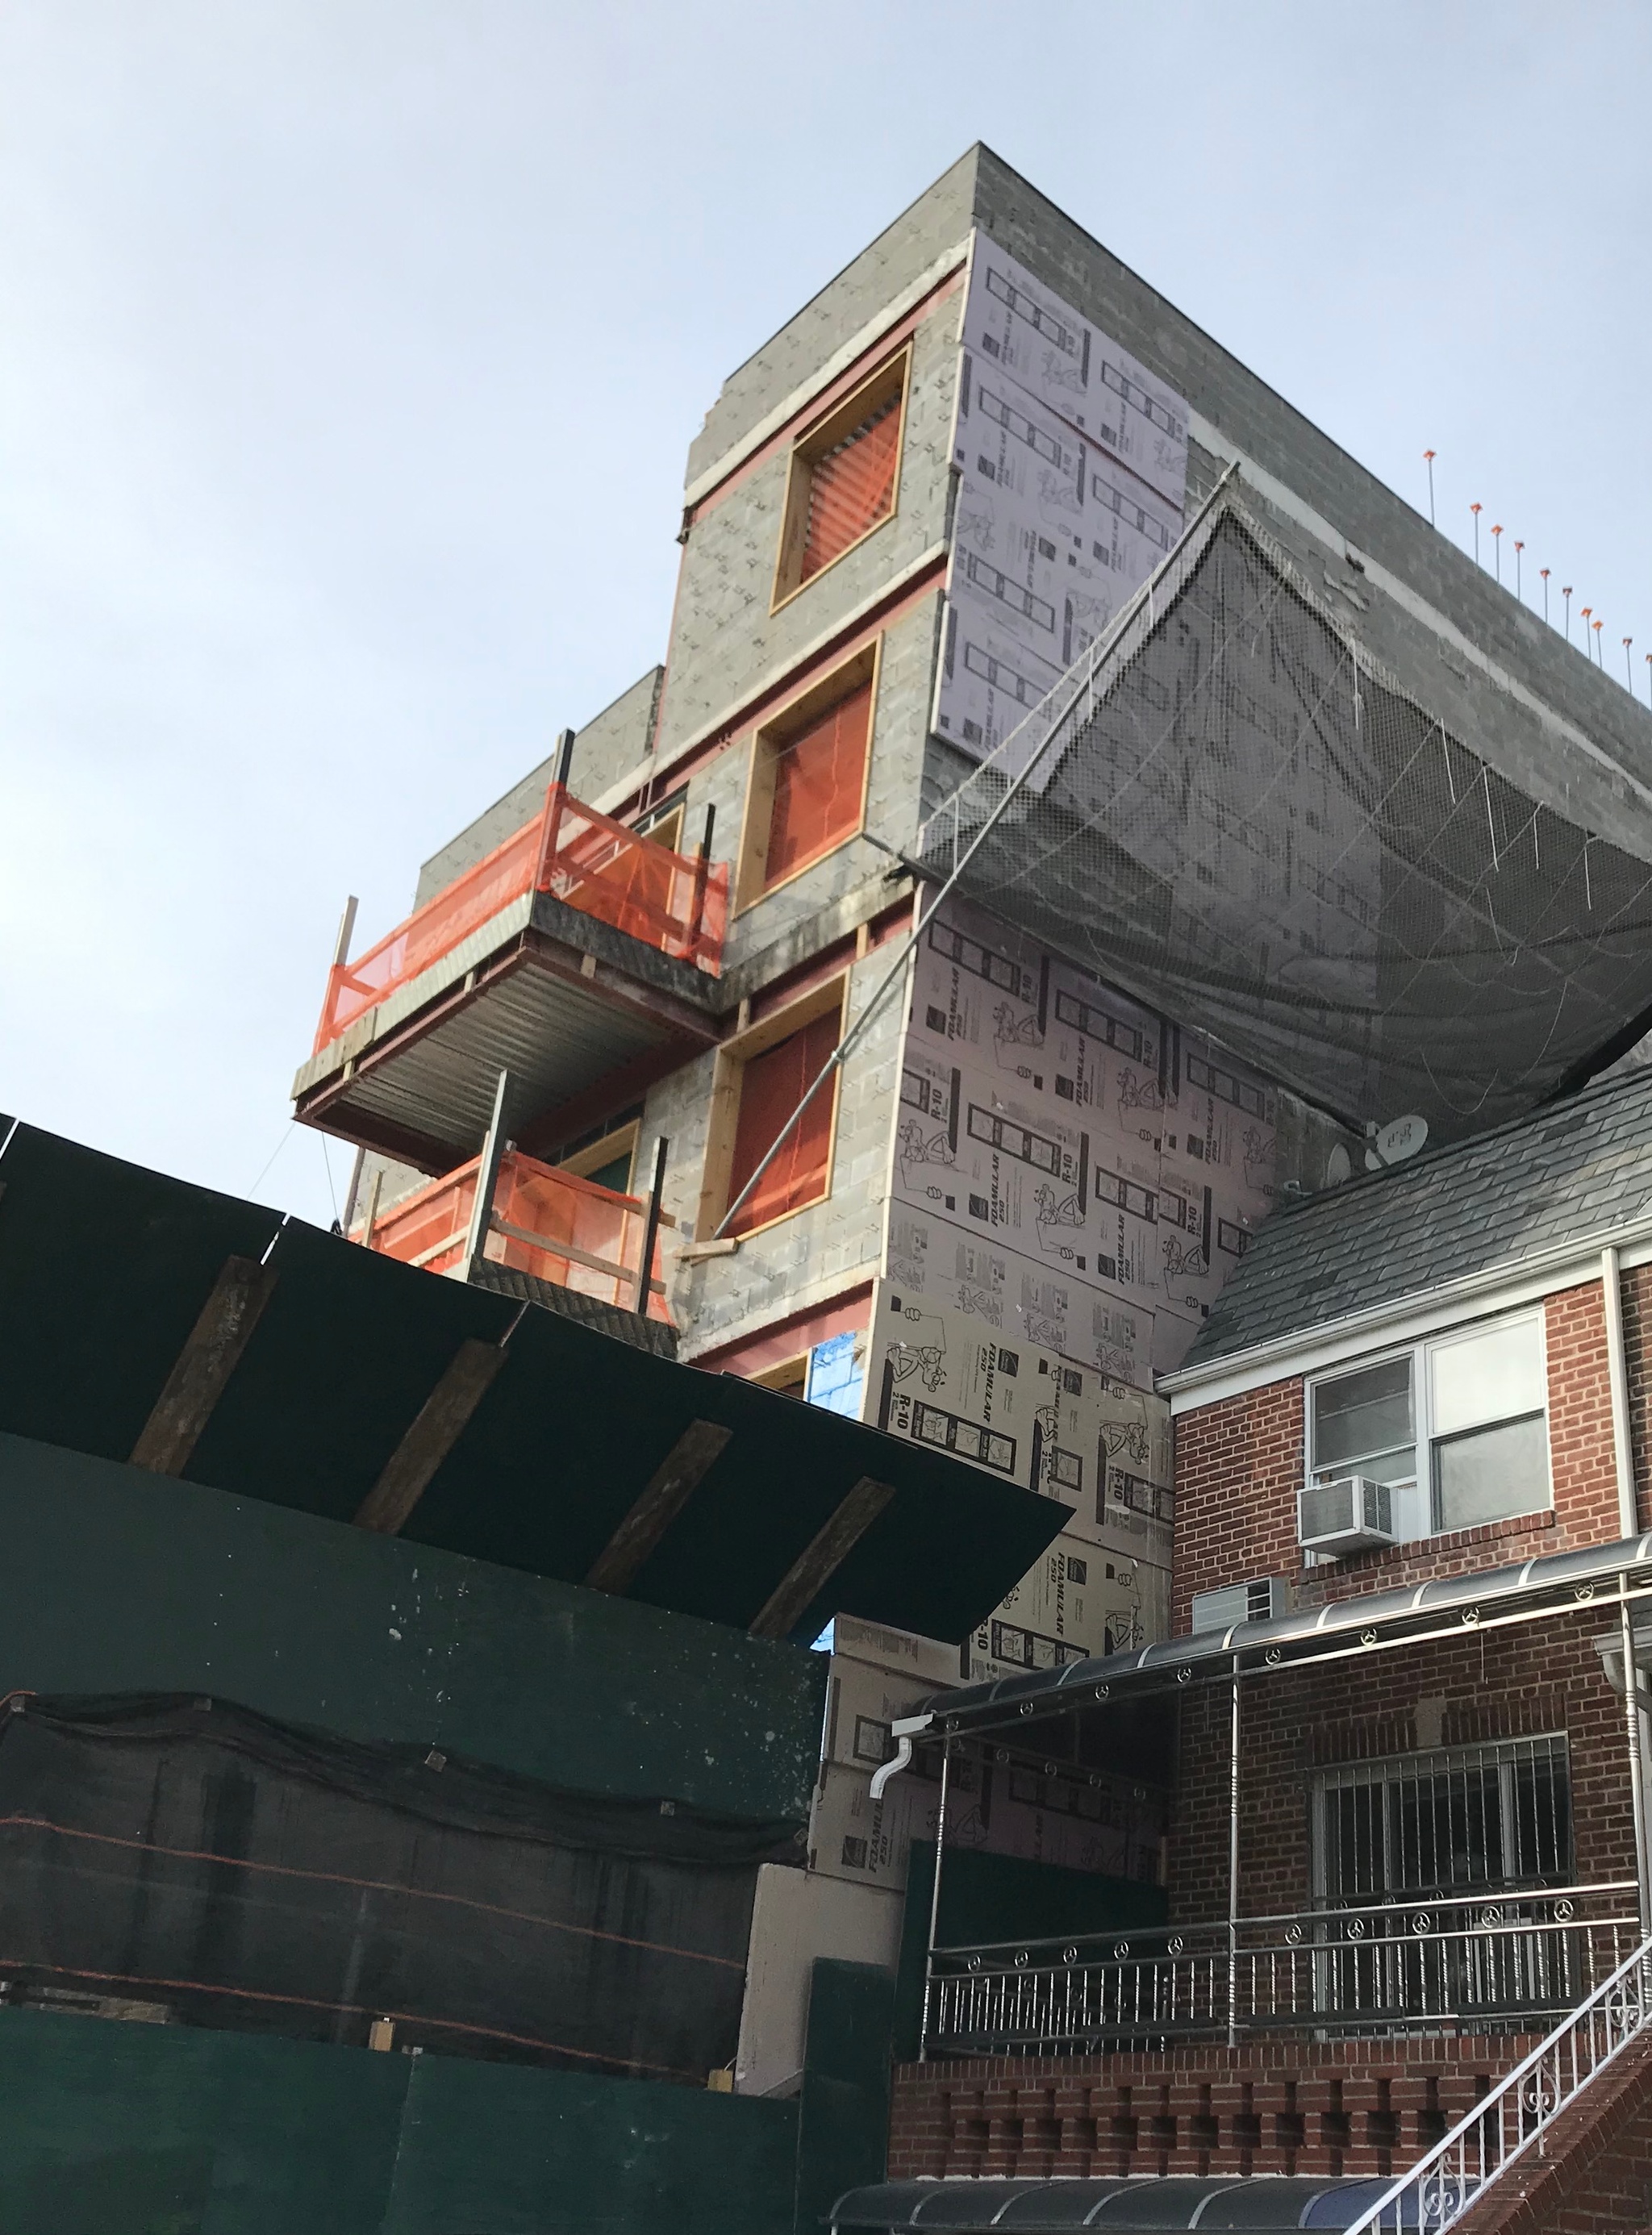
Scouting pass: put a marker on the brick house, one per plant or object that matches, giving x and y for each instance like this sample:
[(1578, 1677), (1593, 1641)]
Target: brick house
[(1408, 1825)]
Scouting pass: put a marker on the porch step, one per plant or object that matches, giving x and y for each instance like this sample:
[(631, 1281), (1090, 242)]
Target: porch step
[(1326, 2109)]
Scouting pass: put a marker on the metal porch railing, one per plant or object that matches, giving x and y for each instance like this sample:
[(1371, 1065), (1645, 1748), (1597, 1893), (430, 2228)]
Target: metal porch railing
[(1519, 2114), (1491, 1961)]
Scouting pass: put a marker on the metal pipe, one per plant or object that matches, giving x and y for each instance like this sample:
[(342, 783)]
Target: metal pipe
[(650, 1229), (1637, 1767), (934, 1901), (1233, 1864), (903, 1730), (897, 968), (1623, 1441), (493, 1149)]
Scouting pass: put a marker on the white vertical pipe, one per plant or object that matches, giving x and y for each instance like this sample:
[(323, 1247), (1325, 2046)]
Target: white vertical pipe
[(1623, 1441)]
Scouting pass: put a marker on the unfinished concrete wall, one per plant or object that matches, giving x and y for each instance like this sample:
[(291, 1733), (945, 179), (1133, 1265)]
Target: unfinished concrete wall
[(727, 644), (899, 259), (815, 1254)]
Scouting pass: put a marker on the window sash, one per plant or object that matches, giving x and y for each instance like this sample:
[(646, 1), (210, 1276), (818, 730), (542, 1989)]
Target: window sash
[(1470, 1464)]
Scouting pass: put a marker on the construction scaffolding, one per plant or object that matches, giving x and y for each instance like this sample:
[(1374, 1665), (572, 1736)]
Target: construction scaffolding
[(1236, 809)]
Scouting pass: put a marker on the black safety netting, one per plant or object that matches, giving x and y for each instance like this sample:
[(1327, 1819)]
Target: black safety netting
[(228, 1871), (1235, 811)]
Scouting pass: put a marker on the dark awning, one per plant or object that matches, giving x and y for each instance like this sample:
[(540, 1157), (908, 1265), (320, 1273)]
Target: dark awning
[(1141, 2204), (578, 1456), (1365, 1622)]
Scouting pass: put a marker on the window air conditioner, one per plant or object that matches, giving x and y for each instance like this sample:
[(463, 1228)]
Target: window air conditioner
[(1258, 1601), (1350, 1515)]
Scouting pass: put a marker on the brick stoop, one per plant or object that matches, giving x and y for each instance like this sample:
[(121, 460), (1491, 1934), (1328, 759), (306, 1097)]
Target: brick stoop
[(1329, 2108), (1595, 2176)]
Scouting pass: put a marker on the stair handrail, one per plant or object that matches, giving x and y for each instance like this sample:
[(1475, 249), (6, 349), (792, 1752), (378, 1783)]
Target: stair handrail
[(1544, 2083)]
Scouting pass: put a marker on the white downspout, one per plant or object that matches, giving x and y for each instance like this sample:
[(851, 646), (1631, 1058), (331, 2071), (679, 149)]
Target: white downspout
[(1629, 1524), (1622, 1443)]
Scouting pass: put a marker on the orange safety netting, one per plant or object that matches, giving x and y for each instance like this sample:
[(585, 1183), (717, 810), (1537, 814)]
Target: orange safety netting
[(668, 900), (771, 1086), (545, 1223), (819, 779)]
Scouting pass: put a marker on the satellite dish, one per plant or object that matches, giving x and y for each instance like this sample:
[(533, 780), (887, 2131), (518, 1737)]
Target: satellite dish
[(1394, 1143), (1338, 1166)]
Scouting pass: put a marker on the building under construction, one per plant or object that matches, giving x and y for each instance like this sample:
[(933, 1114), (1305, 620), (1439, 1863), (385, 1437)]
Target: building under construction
[(1083, 830)]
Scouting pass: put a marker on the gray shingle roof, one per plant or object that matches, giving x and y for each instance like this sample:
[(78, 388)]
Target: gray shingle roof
[(1578, 1166)]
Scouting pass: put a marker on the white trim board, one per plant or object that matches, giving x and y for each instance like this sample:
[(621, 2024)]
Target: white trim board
[(864, 339), (1407, 1319)]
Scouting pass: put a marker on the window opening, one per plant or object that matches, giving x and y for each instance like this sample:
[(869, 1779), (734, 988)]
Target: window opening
[(844, 478), (1458, 1427), (771, 1085), (819, 777)]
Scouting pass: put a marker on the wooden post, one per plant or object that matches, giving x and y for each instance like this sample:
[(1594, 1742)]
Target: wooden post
[(702, 872), (492, 1149), (651, 1229), (373, 1194)]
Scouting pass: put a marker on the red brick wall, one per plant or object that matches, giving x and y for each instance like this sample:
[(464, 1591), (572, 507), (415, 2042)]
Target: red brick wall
[(1478, 1686), (1349, 2107), (1239, 1465)]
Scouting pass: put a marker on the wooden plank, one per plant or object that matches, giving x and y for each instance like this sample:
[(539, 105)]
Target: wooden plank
[(617, 1566), (814, 1567), (548, 1246), (441, 1422), (204, 1365)]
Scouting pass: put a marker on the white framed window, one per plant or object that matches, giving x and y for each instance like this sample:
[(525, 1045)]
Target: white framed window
[(1458, 1427)]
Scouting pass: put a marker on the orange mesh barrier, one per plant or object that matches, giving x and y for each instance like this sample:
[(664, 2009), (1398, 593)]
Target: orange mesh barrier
[(771, 1086), (851, 488), (819, 776), (546, 1223), (666, 900), (456, 911)]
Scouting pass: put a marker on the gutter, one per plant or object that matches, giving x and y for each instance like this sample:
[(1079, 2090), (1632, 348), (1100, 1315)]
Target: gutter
[(1512, 1280)]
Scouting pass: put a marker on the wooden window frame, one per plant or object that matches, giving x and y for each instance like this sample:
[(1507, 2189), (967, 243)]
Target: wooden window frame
[(728, 1071), (791, 1374), (814, 443), (664, 823), (757, 824), (591, 1158)]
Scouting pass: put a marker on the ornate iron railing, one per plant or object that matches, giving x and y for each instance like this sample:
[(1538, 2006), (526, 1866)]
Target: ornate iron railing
[(1519, 2113), (1488, 1962)]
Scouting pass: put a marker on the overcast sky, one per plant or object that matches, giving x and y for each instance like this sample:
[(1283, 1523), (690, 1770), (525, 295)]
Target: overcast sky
[(351, 351)]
